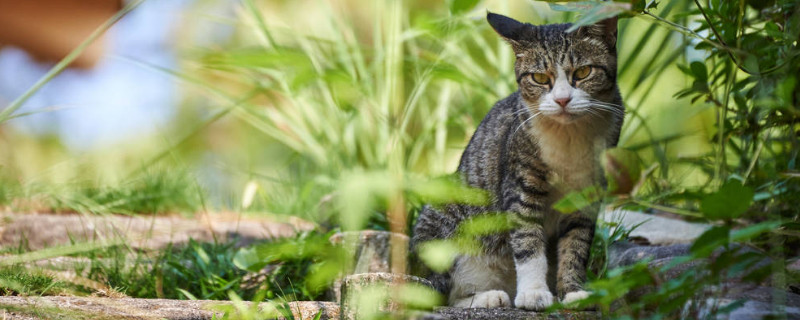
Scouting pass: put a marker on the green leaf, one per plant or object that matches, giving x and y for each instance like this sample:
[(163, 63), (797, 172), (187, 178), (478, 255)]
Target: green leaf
[(187, 294), (751, 64), (785, 90), (461, 6), (248, 259), (592, 11), (754, 230), (439, 255), (730, 201), (483, 225), (449, 190), (418, 296), (710, 240), (575, 200), (699, 71)]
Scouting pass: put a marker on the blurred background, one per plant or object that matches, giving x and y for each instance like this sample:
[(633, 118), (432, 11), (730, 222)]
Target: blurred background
[(286, 96)]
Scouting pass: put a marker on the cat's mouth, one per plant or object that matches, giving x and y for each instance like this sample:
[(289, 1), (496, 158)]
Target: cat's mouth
[(563, 115), (566, 117)]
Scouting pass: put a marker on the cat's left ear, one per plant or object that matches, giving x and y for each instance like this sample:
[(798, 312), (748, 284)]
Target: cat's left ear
[(606, 30), (511, 30)]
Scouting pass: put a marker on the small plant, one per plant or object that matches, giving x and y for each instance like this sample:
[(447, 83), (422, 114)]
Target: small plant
[(17, 280), (203, 270), (300, 268)]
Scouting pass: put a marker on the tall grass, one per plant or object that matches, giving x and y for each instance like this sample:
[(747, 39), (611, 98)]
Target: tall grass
[(368, 107)]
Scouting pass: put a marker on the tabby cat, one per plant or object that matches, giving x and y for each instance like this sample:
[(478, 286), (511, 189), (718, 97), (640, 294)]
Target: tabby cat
[(531, 149)]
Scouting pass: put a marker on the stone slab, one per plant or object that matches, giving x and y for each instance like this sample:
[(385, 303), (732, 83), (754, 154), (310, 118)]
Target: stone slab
[(657, 230), (14, 307), (37, 231), (626, 253), (448, 313)]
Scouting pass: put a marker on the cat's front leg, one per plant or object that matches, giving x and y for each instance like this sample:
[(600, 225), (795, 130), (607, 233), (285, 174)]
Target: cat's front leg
[(575, 240), (529, 248)]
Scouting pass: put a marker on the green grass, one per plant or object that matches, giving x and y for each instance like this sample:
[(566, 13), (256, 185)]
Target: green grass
[(204, 270), (20, 281), (152, 191), (197, 270)]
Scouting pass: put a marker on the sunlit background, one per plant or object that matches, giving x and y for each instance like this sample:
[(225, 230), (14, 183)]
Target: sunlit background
[(297, 97)]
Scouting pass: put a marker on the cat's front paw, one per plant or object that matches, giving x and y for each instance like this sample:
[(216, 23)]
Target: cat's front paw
[(486, 299), (575, 296), (536, 300)]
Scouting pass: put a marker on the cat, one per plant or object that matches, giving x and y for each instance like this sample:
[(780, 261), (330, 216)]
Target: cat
[(532, 148)]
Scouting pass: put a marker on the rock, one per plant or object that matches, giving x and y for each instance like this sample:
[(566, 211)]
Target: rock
[(371, 293), (310, 309), (625, 253), (759, 303), (735, 291), (37, 231), (794, 266), (761, 310), (657, 230), (127, 308), (759, 300), (371, 251), (505, 314)]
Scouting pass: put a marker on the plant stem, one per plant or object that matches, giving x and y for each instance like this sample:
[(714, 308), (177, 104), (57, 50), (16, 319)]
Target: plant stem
[(687, 31), (668, 209)]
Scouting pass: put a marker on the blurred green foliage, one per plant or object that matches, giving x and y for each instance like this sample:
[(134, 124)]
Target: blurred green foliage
[(346, 112)]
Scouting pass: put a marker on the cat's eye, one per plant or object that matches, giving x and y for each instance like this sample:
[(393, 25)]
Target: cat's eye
[(540, 78), (581, 73)]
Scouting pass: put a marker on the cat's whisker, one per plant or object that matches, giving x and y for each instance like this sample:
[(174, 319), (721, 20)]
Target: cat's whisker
[(593, 112), (593, 109), (608, 109), (526, 120), (604, 107), (604, 103), (595, 101), (520, 112)]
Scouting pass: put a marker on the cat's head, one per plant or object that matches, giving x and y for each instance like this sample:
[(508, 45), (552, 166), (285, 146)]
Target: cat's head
[(564, 76)]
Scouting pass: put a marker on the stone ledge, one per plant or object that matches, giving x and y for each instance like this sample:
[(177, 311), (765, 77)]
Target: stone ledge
[(447, 313), (15, 307), (657, 230), (141, 232)]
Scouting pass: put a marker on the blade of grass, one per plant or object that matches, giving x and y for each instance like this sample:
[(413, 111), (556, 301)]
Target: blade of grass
[(57, 252)]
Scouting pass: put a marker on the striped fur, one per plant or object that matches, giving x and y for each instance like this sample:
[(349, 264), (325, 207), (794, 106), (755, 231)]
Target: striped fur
[(528, 152)]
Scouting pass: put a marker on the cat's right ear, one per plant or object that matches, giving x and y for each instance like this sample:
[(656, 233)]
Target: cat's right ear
[(506, 27)]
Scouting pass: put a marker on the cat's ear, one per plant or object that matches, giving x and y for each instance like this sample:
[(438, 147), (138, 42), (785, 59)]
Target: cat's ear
[(605, 30), (510, 29)]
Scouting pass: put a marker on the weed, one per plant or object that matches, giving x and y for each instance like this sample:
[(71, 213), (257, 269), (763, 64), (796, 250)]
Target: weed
[(17, 280)]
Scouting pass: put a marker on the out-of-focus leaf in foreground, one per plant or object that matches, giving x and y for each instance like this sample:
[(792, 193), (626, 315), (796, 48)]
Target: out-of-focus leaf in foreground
[(592, 11), (730, 201)]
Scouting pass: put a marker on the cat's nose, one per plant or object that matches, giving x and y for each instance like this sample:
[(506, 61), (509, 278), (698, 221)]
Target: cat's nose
[(563, 101)]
